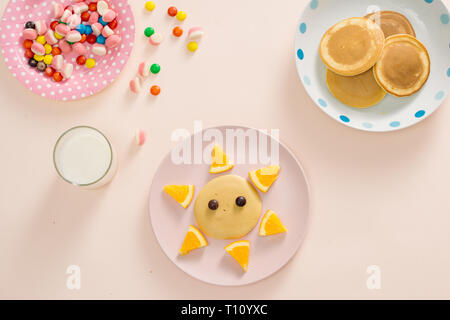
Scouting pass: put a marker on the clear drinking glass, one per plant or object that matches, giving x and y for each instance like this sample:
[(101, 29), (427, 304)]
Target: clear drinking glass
[(84, 157)]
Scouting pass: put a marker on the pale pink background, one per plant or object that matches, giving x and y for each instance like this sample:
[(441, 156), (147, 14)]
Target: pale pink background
[(376, 198)]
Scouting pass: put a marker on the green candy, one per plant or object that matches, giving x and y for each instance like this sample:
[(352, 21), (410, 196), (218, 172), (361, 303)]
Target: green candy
[(155, 68), (149, 31)]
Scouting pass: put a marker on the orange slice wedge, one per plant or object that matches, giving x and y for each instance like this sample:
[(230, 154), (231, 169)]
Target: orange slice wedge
[(182, 194), (271, 224), (265, 177), (193, 240), (240, 251), (220, 162)]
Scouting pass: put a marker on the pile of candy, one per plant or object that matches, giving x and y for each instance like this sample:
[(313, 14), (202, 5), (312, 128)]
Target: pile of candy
[(91, 22), (155, 38)]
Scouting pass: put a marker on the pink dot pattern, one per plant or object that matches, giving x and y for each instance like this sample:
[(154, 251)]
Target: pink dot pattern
[(84, 82)]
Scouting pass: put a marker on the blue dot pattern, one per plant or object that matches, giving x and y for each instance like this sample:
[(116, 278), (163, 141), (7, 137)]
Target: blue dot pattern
[(439, 95), (307, 80), (303, 27), (344, 118), (394, 124), (419, 114), (445, 18), (300, 54), (367, 125), (314, 4), (322, 103), (448, 72), (428, 1)]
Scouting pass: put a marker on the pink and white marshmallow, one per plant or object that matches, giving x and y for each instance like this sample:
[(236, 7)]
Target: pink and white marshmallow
[(67, 70), (93, 18), (29, 34), (135, 85), (79, 49), (50, 37), (80, 7), (58, 62), (99, 49), (38, 49), (113, 41), (107, 31), (62, 29), (109, 15), (97, 29), (66, 15), (73, 21), (102, 7), (41, 27), (156, 39), (64, 46), (140, 137), (58, 10), (195, 33), (73, 36), (144, 69)]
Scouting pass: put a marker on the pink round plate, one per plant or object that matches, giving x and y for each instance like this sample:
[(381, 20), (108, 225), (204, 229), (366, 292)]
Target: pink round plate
[(288, 197), (84, 82)]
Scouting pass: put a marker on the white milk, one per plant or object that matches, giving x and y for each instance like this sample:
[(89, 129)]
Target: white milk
[(84, 157)]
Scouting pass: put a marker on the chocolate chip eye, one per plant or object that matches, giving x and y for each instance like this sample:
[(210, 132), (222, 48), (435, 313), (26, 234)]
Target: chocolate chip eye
[(213, 204), (241, 201)]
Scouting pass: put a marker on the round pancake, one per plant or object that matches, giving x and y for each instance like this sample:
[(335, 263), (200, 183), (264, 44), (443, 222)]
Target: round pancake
[(360, 91), (352, 46), (228, 221), (404, 65), (392, 23)]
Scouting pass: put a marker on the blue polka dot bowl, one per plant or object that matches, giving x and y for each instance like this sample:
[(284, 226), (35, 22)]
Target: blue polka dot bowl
[(430, 19)]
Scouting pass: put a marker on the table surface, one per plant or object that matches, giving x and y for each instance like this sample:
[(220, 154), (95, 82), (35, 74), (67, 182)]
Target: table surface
[(377, 199)]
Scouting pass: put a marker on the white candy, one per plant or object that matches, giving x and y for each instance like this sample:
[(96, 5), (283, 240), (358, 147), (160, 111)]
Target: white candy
[(107, 32), (99, 49), (102, 7), (135, 85), (67, 70)]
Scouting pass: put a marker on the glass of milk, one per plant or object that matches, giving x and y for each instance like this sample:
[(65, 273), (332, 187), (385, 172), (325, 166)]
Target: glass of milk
[(84, 157)]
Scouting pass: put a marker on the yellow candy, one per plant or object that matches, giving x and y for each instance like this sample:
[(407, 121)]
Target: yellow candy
[(90, 63), (58, 36), (41, 40), (192, 46), (181, 15), (150, 5), (38, 58), (48, 59), (48, 48)]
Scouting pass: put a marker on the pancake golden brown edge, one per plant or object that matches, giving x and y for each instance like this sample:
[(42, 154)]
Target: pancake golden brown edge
[(392, 23), (352, 46), (404, 66), (360, 91)]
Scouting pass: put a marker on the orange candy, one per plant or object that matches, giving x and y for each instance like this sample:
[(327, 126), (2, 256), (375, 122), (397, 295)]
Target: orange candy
[(57, 77), (56, 51), (155, 90), (177, 31), (49, 72), (27, 44), (172, 11), (81, 60), (83, 38)]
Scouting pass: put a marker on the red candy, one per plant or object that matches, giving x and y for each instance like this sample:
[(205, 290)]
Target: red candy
[(27, 44), (49, 71), (91, 39), (28, 53), (56, 51), (172, 11), (81, 60), (85, 16), (53, 25), (57, 77), (93, 6), (113, 24)]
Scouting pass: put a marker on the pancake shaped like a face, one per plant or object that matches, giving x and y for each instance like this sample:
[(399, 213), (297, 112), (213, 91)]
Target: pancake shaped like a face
[(404, 66), (217, 212), (392, 23), (360, 91), (352, 46)]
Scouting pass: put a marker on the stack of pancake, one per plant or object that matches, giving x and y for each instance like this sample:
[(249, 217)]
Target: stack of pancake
[(367, 57)]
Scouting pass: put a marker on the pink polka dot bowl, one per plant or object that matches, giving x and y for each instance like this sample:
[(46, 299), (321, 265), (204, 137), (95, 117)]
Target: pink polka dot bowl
[(84, 82)]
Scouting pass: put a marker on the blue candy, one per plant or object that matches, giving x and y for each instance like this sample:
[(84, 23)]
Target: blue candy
[(87, 29), (101, 39), (81, 28), (103, 23)]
